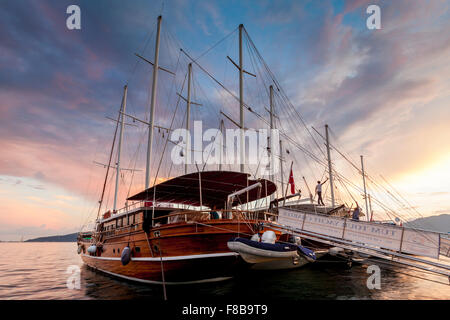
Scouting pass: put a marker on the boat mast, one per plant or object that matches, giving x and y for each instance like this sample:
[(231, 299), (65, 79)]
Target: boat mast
[(152, 105), (281, 167), (329, 166), (122, 112), (272, 164), (309, 190), (188, 113), (222, 129), (364, 183), (241, 98)]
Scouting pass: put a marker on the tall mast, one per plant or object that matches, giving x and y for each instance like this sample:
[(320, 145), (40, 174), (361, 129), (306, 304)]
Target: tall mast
[(364, 183), (272, 164), (329, 166), (281, 167), (221, 144), (188, 118), (309, 190), (122, 110), (241, 98), (152, 105)]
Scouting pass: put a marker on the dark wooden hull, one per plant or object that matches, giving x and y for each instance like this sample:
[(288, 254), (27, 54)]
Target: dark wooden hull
[(188, 252), (196, 270)]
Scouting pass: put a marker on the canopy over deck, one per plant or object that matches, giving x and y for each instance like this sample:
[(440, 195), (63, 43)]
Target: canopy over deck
[(215, 186)]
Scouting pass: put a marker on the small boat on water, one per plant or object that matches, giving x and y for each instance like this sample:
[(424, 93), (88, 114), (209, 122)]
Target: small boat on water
[(266, 253)]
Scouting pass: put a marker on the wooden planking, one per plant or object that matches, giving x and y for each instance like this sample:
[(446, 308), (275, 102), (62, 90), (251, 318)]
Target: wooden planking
[(174, 240), (174, 271)]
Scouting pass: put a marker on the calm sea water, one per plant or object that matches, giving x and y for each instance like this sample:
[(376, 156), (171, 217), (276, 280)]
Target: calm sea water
[(39, 271)]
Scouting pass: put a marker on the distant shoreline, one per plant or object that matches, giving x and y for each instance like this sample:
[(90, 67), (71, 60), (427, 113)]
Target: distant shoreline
[(71, 237)]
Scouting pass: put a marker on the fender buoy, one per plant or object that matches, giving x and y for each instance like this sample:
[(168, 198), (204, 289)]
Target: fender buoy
[(92, 249), (126, 256)]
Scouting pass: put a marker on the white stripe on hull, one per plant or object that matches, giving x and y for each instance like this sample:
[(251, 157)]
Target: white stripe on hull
[(175, 258)]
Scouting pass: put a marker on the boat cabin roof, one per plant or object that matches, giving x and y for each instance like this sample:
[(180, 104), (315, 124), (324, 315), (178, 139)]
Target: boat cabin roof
[(215, 186)]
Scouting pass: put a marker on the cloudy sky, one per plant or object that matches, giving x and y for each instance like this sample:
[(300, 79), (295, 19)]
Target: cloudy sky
[(385, 93)]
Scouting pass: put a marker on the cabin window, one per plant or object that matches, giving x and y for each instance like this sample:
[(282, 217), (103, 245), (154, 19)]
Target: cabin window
[(137, 249), (114, 250), (118, 250)]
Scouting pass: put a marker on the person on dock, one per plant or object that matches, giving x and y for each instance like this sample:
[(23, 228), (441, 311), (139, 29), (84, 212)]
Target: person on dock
[(319, 192), (356, 212)]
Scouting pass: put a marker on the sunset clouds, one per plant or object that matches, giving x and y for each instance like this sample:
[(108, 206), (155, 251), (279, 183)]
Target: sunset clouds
[(385, 93)]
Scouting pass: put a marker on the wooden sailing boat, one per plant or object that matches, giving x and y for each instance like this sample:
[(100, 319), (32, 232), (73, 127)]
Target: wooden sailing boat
[(156, 239), (177, 245)]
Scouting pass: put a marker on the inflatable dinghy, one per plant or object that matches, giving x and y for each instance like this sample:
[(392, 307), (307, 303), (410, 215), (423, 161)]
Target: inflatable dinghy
[(266, 255)]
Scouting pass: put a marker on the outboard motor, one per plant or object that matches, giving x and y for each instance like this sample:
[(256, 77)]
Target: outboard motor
[(256, 238), (126, 256), (309, 254)]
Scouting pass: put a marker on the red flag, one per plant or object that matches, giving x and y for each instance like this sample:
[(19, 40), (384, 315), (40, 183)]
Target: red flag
[(291, 182)]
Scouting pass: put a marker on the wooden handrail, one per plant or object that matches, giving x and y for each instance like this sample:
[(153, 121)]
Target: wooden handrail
[(209, 211)]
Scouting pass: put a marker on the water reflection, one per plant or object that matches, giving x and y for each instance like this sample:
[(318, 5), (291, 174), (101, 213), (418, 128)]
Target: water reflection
[(39, 271)]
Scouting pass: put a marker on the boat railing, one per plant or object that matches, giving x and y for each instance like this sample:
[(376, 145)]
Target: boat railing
[(139, 205), (205, 215), (192, 216), (121, 230), (136, 206)]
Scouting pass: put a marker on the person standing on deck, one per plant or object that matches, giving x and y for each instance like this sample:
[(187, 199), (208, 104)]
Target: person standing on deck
[(356, 212), (213, 214), (319, 192)]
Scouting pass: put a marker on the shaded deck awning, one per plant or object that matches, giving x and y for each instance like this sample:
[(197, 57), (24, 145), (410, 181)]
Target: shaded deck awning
[(216, 186)]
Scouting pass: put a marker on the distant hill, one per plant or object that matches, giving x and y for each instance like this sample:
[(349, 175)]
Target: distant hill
[(72, 237), (439, 223)]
